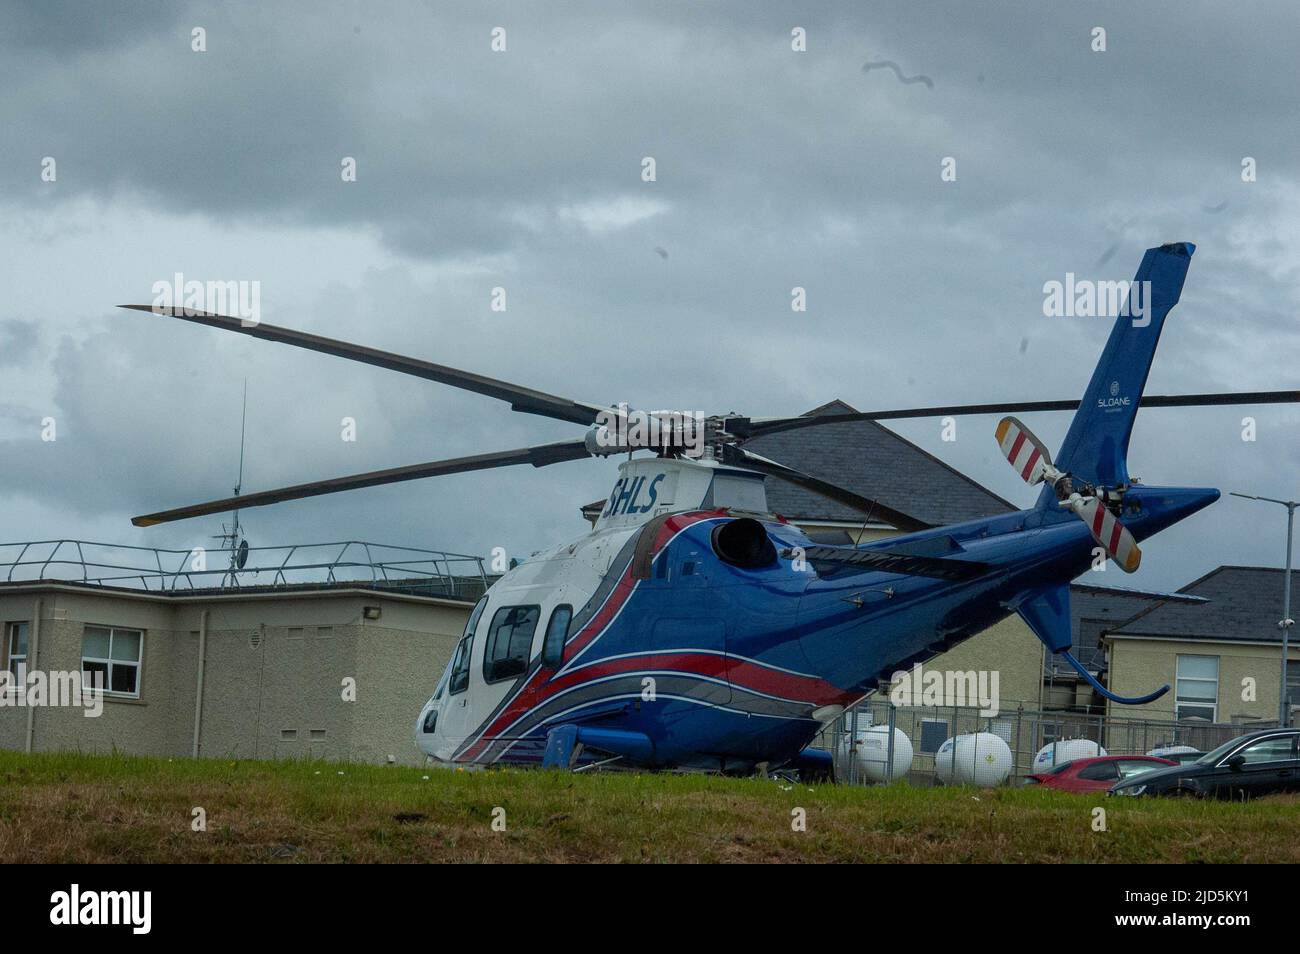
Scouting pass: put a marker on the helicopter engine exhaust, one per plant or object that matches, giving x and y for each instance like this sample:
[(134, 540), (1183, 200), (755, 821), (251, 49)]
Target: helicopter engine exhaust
[(744, 543)]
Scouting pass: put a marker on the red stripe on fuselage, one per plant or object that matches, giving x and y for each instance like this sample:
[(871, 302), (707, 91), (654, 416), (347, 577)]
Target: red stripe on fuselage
[(595, 626), (740, 673)]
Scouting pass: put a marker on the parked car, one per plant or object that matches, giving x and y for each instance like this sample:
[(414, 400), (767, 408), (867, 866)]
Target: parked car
[(1097, 774), (1259, 763), (1177, 753), (1182, 758)]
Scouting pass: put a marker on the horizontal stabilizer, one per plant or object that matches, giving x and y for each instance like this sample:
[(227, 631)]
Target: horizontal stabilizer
[(942, 545)]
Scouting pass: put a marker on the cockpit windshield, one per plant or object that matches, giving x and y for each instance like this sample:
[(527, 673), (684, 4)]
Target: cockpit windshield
[(470, 625)]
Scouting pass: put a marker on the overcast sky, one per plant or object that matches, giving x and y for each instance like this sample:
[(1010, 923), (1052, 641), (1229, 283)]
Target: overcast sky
[(522, 169)]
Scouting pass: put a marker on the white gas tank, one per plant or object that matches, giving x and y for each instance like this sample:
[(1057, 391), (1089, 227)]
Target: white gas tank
[(870, 750), (978, 758), (1065, 750)]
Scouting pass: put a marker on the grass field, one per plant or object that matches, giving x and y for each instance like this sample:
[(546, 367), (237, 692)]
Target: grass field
[(83, 808)]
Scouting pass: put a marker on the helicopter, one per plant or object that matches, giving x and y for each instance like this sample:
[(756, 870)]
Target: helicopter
[(694, 629)]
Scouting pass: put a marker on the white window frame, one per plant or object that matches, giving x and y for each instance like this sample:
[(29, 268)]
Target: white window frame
[(110, 662), (1178, 679), (11, 634)]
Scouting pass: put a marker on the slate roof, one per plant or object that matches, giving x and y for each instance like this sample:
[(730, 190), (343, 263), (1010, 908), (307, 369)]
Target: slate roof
[(1095, 609), (1244, 605), (868, 458)]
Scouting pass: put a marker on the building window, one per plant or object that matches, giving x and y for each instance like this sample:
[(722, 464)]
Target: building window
[(509, 642), (557, 630), (934, 732), (1292, 681), (16, 646), (1197, 696), (111, 658)]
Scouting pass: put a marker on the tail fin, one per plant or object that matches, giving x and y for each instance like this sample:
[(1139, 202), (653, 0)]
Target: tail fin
[(1096, 447)]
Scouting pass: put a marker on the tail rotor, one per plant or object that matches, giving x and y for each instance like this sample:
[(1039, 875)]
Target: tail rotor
[(1033, 462)]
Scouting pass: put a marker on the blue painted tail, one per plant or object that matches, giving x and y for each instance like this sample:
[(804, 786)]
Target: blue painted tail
[(1096, 447)]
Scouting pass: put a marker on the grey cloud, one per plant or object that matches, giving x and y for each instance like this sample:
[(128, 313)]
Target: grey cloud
[(18, 341), (775, 169)]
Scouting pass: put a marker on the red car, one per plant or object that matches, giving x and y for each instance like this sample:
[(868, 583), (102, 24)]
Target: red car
[(1096, 774)]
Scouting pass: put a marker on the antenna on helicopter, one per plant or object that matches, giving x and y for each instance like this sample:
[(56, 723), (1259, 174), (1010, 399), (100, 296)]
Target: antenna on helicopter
[(232, 534)]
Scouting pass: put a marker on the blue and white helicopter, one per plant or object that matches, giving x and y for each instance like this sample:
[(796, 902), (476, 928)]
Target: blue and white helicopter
[(692, 628)]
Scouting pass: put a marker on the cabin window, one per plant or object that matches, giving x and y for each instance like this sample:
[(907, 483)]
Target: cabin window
[(110, 659), (509, 642), (557, 631), (459, 680)]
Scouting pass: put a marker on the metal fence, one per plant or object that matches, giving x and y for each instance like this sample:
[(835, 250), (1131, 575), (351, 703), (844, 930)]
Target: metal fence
[(351, 562), (866, 759)]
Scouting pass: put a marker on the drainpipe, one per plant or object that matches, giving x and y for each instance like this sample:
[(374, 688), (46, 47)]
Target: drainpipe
[(198, 690), (33, 647)]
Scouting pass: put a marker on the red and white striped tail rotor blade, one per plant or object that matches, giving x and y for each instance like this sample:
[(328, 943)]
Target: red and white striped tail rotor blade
[(1025, 451), (1106, 529)]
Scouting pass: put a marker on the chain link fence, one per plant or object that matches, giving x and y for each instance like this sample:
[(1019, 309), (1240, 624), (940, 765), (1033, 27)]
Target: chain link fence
[(867, 757)]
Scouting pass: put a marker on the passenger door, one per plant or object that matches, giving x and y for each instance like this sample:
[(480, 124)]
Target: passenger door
[(454, 713), (453, 723), (1266, 765)]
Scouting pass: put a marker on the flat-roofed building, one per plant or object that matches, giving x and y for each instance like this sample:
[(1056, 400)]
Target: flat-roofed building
[(327, 669)]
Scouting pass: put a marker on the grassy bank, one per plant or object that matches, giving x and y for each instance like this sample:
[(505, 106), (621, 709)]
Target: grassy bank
[(83, 808)]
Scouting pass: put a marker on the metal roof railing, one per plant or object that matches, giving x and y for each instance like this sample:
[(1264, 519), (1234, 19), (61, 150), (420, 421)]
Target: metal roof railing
[(303, 565)]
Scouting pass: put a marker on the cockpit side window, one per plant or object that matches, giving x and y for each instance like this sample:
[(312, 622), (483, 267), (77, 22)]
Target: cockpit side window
[(442, 683), (459, 680), (471, 624), (509, 642), (456, 678), (557, 631)]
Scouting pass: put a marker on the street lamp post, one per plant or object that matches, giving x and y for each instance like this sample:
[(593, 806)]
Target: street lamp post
[(1283, 711)]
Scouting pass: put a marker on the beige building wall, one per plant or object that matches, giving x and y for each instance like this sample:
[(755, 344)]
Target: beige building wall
[(1140, 665), (274, 673)]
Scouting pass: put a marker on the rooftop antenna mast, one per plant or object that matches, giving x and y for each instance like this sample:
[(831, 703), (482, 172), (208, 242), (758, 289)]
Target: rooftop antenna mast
[(233, 532)]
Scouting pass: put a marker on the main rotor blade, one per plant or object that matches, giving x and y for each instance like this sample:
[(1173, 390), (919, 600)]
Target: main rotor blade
[(747, 428), (539, 456), (738, 456), (520, 398)]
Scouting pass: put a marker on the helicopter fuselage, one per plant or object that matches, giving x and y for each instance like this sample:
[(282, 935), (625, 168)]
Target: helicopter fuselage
[(676, 654)]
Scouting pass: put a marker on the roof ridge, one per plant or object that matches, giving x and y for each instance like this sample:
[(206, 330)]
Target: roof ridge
[(816, 412), (1011, 508)]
